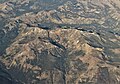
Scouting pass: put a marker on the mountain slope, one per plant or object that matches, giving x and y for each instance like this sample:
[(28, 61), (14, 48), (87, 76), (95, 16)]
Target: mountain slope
[(60, 42)]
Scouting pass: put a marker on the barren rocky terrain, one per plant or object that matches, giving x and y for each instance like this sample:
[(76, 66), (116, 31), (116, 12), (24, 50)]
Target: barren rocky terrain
[(60, 42)]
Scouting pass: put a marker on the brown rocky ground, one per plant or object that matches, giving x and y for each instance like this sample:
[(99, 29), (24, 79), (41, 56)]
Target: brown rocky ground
[(60, 42)]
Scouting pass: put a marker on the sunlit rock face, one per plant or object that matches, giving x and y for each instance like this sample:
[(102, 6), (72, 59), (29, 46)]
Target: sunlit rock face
[(60, 42)]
